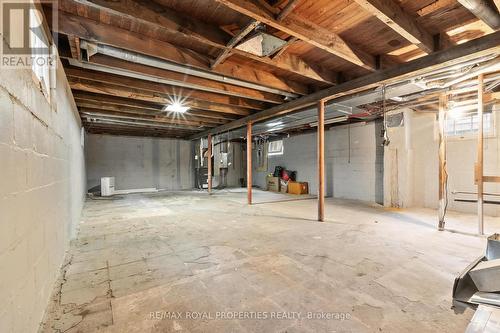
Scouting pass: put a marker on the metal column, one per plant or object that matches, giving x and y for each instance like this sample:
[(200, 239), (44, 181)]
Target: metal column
[(249, 162), (209, 153), (321, 160)]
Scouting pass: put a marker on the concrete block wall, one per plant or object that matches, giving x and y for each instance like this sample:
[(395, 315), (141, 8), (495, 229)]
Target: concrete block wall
[(353, 161), (42, 175), (139, 162)]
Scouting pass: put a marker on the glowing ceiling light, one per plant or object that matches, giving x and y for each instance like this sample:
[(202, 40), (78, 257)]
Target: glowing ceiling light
[(176, 107)]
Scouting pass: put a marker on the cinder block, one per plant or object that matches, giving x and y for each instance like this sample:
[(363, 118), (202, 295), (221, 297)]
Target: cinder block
[(6, 118), (23, 127), (13, 164), (486, 275)]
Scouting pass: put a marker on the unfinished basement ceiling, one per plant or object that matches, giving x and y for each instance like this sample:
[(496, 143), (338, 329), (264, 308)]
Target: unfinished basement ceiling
[(128, 60)]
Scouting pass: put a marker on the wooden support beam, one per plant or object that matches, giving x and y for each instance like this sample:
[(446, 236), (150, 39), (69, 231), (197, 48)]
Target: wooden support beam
[(106, 34), (86, 75), (304, 30), (491, 179), (133, 103), (289, 42), (209, 159), (290, 6), (148, 96), (180, 79), (235, 40), (476, 48), (161, 19), (389, 12), (163, 118), (74, 45), (480, 152), (443, 175), (249, 163), (321, 161), (483, 11), (147, 113)]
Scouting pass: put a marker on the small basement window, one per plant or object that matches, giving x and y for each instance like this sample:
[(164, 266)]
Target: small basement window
[(275, 148), (468, 124)]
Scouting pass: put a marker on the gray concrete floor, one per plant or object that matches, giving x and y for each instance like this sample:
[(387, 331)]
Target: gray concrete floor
[(180, 262)]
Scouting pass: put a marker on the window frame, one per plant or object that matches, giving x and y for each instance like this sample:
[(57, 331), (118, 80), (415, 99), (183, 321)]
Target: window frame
[(472, 134), (275, 152)]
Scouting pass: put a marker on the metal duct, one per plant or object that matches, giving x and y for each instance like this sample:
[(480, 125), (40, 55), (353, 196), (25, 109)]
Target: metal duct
[(158, 63)]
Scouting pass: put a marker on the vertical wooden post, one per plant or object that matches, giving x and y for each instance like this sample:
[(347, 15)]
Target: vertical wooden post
[(321, 160), (443, 175), (209, 153), (480, 158), (249, 162)]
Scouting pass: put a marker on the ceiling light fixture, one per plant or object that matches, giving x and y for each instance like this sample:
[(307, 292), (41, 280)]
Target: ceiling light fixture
[(176, 107)]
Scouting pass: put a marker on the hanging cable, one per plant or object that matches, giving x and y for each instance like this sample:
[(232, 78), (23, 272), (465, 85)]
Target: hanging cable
[(385, 135)]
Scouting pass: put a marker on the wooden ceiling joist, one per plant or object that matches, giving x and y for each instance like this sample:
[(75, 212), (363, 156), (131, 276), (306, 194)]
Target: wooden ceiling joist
[(389, 12), (235, 40), (188, 124), (174, 92), (471, 50), (153, 107), (74, 44), (175, 24), (91, 30), (121, 91), (188, 119), (290, 6), (183, 79), (304, 30), (125, 129), (483, 11)]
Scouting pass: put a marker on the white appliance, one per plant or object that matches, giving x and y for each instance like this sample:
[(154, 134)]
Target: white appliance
[(107, 186)]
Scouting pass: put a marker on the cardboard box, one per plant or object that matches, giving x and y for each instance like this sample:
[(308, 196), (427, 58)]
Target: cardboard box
[(298, 187), (273, 183), (283, 186)]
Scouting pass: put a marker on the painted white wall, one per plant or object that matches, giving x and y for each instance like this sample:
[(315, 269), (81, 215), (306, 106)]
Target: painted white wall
[(42, 177), (353, 161), (418, 181), (139, 162)]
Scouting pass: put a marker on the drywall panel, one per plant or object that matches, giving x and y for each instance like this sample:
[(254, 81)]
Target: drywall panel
[(139, 162), (42, 179)]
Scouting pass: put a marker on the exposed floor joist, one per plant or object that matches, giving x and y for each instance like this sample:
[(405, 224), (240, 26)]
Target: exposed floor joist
[(183, 80), (173, 23), (479, 47), (483, 11), (143, 95), (180, 93), (389, 12), (94, 31), (304, 30)]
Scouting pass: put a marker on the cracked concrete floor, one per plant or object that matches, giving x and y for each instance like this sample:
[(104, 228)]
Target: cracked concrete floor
[(186, 262)]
